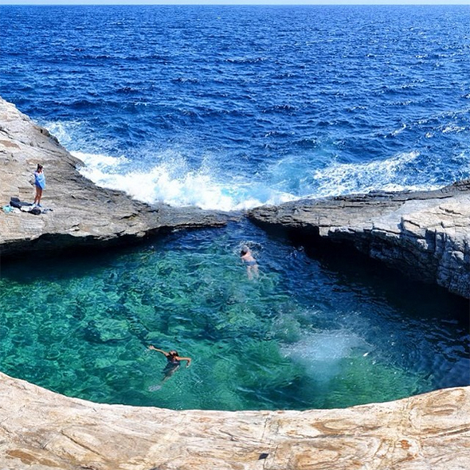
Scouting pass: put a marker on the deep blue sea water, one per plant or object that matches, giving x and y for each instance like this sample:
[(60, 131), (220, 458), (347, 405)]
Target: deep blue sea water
[(230, 108)]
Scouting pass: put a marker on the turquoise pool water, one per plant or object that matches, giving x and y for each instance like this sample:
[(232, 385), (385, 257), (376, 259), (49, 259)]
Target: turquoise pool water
[(316, 331)]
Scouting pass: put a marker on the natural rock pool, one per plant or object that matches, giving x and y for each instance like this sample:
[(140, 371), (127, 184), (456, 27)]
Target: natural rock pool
[(320, 331)]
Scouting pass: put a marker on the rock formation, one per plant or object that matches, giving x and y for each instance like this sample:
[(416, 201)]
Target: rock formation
[(424, 234), (40, 430), (82, 214)]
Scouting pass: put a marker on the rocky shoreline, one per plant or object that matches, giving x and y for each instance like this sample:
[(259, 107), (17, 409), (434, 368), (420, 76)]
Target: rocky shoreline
[(423, 234), (41, 430), (82, 215)]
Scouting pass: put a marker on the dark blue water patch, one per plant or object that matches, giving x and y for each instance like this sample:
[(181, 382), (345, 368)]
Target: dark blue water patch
[(313, 331), (245, 85)]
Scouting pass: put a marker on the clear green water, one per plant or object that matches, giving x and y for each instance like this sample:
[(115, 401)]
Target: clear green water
[(311, 332)]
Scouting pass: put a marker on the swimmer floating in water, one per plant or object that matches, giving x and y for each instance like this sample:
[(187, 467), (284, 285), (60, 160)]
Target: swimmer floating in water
[(174, 361), (250, 262)]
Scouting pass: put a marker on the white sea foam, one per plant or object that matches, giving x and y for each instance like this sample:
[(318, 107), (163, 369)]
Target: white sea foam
[(399, 131), (173, 183), (453, 129), (103, 162), (62, 130), (321, 353), (348, 178), (170, 178)]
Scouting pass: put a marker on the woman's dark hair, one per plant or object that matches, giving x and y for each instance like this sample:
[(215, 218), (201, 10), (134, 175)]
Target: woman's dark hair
[(245, 250), (39, 167), (173, 353)]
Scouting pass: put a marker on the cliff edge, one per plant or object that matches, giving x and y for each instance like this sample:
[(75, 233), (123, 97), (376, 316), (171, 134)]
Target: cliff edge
[(41, 430), (82, 215), (425, 234)]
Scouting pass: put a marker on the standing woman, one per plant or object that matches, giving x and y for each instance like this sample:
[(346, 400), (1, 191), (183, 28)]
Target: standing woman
[(40, 183)]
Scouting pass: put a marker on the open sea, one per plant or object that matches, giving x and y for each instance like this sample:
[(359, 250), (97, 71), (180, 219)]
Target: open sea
[(229, 108)]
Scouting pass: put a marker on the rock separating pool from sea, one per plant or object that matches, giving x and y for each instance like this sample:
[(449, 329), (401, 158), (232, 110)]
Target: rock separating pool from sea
[(424, 234), (83, 216)]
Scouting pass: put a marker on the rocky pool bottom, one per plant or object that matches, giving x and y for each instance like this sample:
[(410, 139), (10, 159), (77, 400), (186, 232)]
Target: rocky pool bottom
[(315, 330)]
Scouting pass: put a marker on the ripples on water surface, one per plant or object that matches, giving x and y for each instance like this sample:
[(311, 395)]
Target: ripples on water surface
[(232, 107), (307, 334)]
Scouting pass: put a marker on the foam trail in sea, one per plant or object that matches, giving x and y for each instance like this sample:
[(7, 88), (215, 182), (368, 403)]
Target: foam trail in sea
[(384, 175)]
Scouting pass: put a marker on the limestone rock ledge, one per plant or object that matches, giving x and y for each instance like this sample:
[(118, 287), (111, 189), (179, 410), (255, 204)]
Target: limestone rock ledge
[(424, 234), (41, 430), (82, 214)]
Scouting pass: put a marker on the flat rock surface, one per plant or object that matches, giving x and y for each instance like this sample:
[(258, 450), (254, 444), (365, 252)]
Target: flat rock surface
[(41, 430), (424, 234), (82, 213)]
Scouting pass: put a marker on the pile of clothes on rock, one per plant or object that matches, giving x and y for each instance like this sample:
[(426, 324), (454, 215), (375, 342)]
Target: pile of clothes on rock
[(19, 206)]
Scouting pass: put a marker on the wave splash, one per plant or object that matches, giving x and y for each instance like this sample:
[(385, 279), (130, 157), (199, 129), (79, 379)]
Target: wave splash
[(383, 175), (168, 176), (174, 184)]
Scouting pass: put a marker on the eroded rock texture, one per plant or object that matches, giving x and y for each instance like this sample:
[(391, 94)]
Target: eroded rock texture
[(41, 430), (424, 234), (83, 214)]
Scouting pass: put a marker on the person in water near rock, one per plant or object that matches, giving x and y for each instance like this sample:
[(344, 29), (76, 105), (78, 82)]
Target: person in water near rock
[(174, 361), (250, 262), (40, 183)]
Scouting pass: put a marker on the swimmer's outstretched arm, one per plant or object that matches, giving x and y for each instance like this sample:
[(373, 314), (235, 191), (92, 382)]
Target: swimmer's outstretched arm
[(159, 350)]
